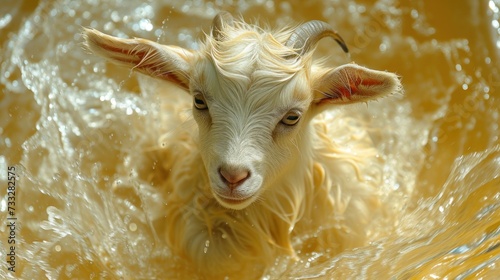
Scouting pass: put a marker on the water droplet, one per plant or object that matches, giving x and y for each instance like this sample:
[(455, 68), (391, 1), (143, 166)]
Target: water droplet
[(207, 244), (414, 13), (8, 143), (5, 20), (382, 47), (493, 6), (115, 16), (132, 227), (495, 23), (109, 26), (145, 24)]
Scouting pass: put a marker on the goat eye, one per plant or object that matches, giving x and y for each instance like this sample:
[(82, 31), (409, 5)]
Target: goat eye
[(199, 102), (291, 118)]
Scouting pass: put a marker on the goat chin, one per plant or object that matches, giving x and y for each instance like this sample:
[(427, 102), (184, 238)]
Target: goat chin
[(236, 204)]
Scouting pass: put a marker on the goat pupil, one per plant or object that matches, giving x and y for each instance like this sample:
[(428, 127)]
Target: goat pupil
[(291, 119), (199, 103)]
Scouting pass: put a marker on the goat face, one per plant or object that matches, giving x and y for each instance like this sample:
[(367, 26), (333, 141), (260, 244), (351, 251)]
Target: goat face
[(248, 116), (253, 95)]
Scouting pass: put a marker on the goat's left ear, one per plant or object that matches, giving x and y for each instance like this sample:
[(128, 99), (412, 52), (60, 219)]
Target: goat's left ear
[(352, 83)]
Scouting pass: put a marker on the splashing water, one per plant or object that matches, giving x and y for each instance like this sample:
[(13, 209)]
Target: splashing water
[(81, 133)]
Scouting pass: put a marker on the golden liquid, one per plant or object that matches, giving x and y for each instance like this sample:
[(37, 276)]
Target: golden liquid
[(71, 125)]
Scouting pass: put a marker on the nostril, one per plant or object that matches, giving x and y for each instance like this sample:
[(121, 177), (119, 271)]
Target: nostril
[(233, 176)]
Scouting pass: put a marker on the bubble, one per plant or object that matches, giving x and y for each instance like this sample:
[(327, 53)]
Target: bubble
[(8, 143), (58, 248), (493, 6), (145, 24), (382, 47), (286, 7), (207, 244), (495, 23), (3, 205), (109, 26), (115, 16), (132, 227), (5, 20), (270, 5), (158, 32), (414, 14)]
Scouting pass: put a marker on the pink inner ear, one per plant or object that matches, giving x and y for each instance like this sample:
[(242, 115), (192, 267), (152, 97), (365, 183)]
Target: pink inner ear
[(348, 90), (141, 63)]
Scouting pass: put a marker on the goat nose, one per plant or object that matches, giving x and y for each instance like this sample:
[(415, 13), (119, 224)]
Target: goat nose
[(233, 176)]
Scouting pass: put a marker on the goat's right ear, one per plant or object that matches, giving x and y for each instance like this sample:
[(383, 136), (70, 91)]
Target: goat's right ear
[(168, 63), (352, 83)]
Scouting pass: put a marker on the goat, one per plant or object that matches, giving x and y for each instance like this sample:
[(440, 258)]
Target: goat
[(265, 168)]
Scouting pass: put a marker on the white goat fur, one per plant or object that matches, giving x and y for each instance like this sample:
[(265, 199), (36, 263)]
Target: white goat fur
[(316, 180)]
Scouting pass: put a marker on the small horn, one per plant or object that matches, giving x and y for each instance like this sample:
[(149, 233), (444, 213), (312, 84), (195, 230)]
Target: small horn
[(221, 19), (308, 34)]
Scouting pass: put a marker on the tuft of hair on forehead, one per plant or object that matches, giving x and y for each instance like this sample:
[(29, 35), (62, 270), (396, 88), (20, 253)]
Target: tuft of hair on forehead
[(249, 52)]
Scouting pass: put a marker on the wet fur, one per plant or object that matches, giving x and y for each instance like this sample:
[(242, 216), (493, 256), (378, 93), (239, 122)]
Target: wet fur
[(321, 185)]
